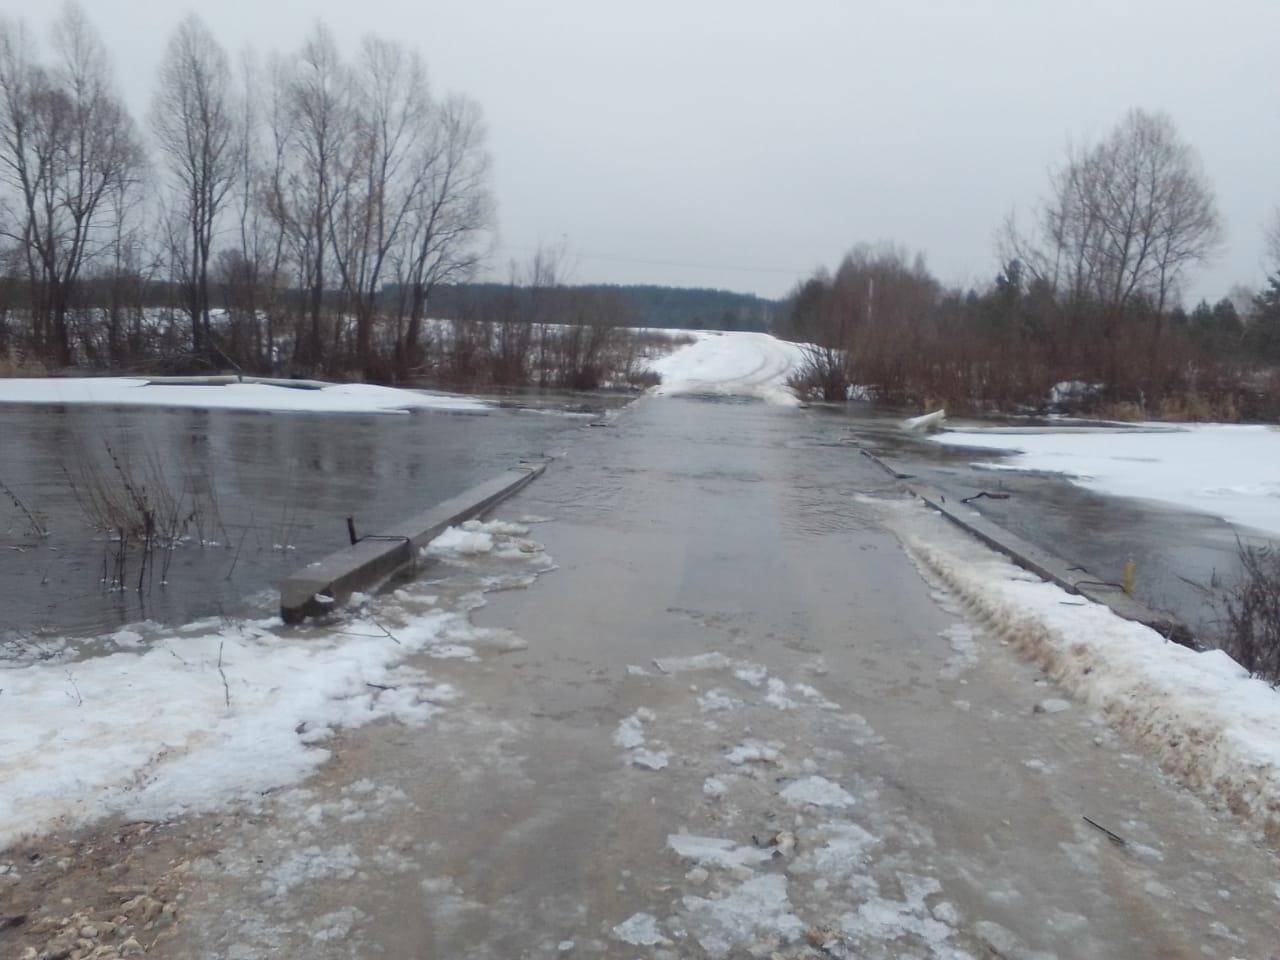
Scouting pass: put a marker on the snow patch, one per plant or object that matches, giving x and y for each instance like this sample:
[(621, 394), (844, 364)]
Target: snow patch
[(272, 396), (216, 713), (731, 363)]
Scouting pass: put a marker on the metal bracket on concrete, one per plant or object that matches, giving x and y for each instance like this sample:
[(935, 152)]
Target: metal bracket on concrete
[(370, 562)]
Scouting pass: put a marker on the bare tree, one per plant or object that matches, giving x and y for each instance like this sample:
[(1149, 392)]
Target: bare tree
[(193, 117), (68, 148), (1126, 219), (450, 220), (318, 99), (327, 181), (393, 117)]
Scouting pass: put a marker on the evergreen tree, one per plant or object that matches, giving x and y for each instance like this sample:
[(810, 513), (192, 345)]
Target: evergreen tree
[(1262, 337)]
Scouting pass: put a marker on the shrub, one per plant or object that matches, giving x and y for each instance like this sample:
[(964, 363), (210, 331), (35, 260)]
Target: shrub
[(1252, 608)]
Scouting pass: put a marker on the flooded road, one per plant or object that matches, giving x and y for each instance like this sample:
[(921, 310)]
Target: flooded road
[(259, 496), (1177, 554), (737, 721)]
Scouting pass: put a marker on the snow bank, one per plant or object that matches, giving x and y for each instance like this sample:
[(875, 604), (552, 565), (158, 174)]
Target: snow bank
[(334, 398), (731, 364), (219, 712), (1227, 471), (1199, 714)]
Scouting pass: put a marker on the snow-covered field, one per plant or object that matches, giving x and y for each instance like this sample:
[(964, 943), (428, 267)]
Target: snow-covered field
[(190, 719), (732, 364), (132, 391), (754, 365), (1229, 471)]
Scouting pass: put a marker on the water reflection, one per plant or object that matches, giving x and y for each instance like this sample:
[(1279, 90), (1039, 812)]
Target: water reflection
[(277, 490)]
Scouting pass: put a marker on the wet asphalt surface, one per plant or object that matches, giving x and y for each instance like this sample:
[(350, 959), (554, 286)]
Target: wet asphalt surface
[(732, 628)]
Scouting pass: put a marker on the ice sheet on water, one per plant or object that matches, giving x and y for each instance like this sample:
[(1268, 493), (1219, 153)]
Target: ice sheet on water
[(753, 915), (964, 650), (716, 700), (336, 925), (630, 736), (777, 695), (310, 864), (650, 759), (698, 661), (1222, 469), (629, 732), (751, 674), (717, 851), (456, 540), (880, 919), (817, 791), (639, 930), (714, 787), (754, 752), (327, 398), (499, 527), (842, 854)]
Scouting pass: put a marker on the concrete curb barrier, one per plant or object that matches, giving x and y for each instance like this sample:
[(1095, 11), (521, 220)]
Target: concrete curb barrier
[(370, 562), (1044, 564)]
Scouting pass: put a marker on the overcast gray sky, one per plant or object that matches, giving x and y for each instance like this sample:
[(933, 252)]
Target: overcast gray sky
[(743, 144)]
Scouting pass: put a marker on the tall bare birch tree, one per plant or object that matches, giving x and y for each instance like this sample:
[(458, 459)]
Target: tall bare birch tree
[(69, 151), (193, 116), (1125, 221)]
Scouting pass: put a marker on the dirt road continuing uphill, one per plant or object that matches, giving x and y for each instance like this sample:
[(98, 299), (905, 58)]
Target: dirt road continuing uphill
[(744, 724)]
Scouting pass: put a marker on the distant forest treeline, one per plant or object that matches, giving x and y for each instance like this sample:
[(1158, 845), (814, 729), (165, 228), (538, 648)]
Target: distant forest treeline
[(685, 308)]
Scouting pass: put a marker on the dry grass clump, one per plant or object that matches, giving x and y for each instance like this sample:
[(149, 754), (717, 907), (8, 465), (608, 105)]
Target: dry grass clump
[(15, 365), (142, 511), (1251, 608)]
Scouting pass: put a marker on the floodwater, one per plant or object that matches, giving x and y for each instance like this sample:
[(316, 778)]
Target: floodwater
[(1177, 554), (740, 723), (255, 495), (265, 494)]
